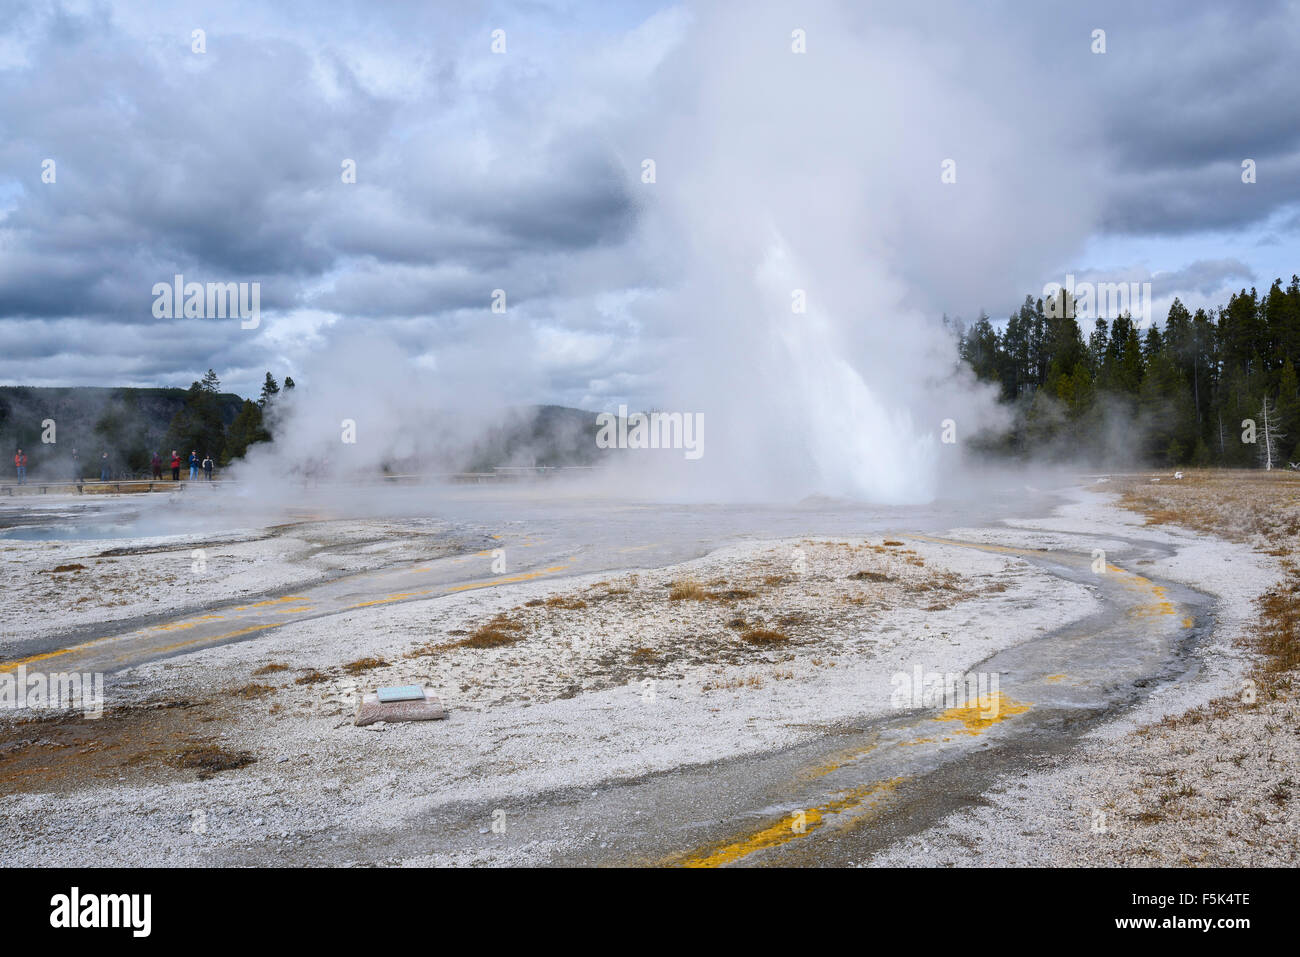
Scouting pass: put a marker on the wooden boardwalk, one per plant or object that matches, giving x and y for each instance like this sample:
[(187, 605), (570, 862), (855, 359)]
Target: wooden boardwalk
[(94, 486), (500, 473)]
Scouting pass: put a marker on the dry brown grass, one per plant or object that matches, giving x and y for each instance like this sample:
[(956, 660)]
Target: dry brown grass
[(362, 665), (568, 602), (732, 594), (270, 669), (687, 589), (867, 576), (209, 759), (496, 633), (745, 681), (1262, 508), (733, 684), (1233, 504), (1278, 638), (254, 690), (763, 636)]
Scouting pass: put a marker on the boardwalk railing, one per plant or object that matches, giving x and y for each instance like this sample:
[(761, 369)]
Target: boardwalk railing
[(500, 473), (95, 485)]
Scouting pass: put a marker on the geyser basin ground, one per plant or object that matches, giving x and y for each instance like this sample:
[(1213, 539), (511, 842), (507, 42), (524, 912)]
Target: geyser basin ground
[(638, 684)]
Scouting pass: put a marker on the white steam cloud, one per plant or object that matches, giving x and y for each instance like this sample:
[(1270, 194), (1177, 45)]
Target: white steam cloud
[(819, 172), (775, 171)]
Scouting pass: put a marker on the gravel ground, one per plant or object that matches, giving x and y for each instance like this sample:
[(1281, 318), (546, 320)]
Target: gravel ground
[(612, 678), (113, 580), (1203, 772), (248, 748)]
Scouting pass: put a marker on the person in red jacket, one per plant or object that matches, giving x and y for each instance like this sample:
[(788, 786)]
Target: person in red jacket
[(176, 466), (20, 463)]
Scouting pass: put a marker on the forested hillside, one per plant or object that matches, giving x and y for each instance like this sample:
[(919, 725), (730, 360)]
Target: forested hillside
[(132, 424), (129, 424), (1175, 393)]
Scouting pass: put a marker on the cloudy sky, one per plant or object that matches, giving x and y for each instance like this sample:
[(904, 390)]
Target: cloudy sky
[(522, 170)]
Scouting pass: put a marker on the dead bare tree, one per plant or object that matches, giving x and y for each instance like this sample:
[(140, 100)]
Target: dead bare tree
[(1269, 435)]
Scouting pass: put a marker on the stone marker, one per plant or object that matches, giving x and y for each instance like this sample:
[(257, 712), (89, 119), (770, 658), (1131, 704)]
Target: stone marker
[(399, 703)]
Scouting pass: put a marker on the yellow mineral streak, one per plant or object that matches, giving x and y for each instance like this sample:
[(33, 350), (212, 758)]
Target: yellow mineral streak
[(792, 827), (980, 714)]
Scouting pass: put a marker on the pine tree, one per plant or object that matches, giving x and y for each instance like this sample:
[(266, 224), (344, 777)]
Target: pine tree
[(1243, 332), (246, 430), (197, 424), (1127, 350), (1016, 344), (1288, 405), (1289, 318), (1098, 343), (269, 391), (1204, 364), (1185, 388), (981, 349)]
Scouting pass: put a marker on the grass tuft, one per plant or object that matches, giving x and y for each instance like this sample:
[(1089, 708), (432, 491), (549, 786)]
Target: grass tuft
[(763, 636), (687, 589), (499, 631), (210, 759), (865, 576)]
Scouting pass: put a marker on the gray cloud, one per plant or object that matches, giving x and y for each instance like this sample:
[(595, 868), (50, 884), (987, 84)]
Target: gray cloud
[(520, 172), (1205, 276)]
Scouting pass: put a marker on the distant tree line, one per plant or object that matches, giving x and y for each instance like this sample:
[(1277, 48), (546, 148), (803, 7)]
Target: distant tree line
[(198, 424), (66, 430), (1176, 394)]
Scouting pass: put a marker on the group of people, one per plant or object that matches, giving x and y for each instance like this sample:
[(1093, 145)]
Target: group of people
[(195, 464), (106, 472), (20, 466)]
